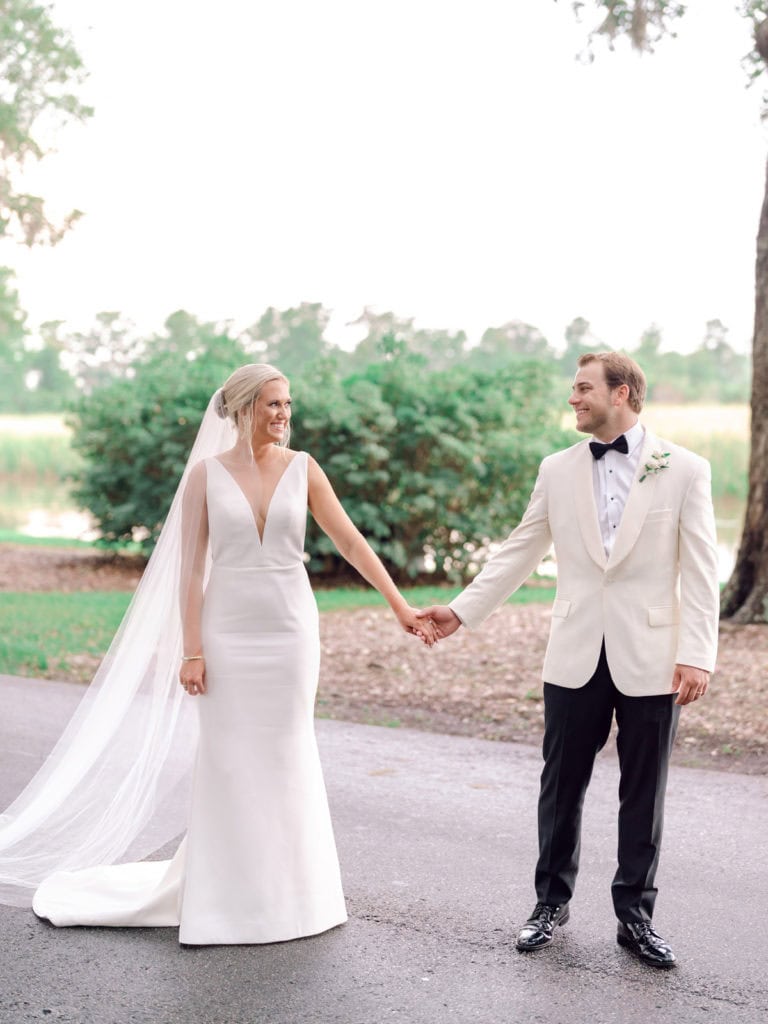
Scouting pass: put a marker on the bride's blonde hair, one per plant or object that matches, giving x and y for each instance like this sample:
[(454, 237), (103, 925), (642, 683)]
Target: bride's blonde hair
[(240, 390)]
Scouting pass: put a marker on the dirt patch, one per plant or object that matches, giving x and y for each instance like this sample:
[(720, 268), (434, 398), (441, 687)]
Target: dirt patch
[(488, 684), (33, 569), (485, 684)]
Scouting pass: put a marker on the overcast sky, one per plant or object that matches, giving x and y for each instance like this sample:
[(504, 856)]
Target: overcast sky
[(450, 161)]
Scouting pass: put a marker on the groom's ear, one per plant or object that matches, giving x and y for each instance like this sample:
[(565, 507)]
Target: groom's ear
[(621, 394)]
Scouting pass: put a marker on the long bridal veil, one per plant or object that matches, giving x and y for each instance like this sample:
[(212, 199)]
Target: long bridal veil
[(112, 788)]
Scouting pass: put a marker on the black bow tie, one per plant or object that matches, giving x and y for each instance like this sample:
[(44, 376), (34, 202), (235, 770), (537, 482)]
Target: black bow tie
[(599, 449)]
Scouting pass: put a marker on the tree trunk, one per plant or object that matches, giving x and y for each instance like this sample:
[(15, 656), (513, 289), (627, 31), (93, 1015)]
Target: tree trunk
[(745, 598)]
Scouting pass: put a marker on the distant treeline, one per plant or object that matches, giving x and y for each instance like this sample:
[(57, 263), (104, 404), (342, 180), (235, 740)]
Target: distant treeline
[(49, 371)]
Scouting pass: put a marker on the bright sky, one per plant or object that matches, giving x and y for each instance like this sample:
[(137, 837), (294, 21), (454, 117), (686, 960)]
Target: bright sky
[(446, 159)]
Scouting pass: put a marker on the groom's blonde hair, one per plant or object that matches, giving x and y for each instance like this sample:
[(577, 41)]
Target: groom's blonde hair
[(620, 369)]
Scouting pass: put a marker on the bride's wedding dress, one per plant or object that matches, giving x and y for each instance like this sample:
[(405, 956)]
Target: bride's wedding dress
[(258, 863)]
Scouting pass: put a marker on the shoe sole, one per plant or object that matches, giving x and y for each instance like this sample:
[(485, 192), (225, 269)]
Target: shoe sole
[(631, 948), (543, 945)]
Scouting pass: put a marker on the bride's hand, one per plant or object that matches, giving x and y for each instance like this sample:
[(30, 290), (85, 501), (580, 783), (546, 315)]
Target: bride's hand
[(424, 629), (192, 676)]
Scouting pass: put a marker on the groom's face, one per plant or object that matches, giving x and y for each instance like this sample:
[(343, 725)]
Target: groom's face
[(593, 402)]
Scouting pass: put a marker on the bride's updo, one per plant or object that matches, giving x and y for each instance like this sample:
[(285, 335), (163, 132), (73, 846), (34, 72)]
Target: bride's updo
[(240, 390)]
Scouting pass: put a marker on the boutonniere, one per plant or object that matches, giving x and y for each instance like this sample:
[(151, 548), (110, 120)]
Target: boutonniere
[(658, 461)]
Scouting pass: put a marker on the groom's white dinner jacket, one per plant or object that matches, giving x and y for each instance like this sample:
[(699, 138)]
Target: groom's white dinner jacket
[(655, 599)]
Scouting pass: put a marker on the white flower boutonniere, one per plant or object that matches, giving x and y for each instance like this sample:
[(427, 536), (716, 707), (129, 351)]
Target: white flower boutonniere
[(658, 461)]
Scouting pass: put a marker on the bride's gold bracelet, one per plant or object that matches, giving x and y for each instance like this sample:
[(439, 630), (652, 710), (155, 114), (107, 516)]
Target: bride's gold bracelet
[(193, 657)]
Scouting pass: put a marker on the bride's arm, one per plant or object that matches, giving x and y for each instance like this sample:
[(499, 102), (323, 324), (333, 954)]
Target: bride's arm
[(194, 544), (355, 549)]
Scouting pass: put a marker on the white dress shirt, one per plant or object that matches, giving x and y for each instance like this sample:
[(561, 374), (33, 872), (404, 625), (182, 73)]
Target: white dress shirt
[(612, 477)]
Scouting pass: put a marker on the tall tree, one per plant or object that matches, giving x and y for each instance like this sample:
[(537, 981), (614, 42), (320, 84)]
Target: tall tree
[(292, 338), (12, 351), (745, 598), (388, 334), (54, 387), (385, 332), (513, 340), (185, 337), (716, 370), (648, 356), (40, 70), (578, 340), (104, 352), (440, 347)]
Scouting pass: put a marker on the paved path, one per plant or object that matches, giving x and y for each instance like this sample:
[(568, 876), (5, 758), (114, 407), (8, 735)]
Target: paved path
[(436, 836)]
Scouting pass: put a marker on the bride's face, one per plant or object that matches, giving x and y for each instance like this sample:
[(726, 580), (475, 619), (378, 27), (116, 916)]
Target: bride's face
[(271, 412)]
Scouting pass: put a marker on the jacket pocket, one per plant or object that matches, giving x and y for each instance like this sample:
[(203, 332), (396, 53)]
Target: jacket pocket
[(668, 615), (560, 608), (658, 515)]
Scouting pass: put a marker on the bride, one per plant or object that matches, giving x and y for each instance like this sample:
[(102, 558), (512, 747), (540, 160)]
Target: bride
[(224, 609)]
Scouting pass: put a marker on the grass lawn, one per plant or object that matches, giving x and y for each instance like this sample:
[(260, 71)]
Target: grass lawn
[(42, 631), (42, 634), (14, 537)]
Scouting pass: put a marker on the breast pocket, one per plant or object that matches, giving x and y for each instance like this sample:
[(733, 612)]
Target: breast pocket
[(560, 608), (659, 515), (667, 615)]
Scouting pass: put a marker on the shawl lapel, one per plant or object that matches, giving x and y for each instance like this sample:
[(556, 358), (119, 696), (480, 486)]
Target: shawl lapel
[(586, 509), (638, 502)]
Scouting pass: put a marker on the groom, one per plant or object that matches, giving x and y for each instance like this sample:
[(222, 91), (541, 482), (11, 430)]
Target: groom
[(633, 633)]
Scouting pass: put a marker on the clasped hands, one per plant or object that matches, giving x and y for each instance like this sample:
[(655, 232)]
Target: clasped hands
[(431, 624)]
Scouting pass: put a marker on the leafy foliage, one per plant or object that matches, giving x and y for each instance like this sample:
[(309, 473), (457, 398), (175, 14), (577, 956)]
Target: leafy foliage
[(754, 61), (643, 22), (430, 465), (40, 70), (292, 338), (12, 334), (513, 340), (387, 333), (135, 434)]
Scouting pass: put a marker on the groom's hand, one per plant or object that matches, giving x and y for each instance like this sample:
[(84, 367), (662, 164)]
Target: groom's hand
[(689, 683), (445, 619)]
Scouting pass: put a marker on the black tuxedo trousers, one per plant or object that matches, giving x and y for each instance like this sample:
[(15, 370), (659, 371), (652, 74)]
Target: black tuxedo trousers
[(577, 723)]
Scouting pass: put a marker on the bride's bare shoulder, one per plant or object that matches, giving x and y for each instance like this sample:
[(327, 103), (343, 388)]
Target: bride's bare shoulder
[(196, 482), (288, 454)]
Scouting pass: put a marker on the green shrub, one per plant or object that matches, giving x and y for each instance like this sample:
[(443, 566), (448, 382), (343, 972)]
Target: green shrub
[(430, 466), (134, 436), (426, 463)]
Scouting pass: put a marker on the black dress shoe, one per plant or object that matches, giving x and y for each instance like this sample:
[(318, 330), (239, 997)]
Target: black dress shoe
[(540, 926), (640, 938)]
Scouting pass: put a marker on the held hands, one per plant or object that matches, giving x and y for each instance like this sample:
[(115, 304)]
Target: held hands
[(192, 676), (442, 620), (409, 619), (689, 683)]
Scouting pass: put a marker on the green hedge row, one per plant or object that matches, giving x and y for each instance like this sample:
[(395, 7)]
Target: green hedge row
[(430, 465)]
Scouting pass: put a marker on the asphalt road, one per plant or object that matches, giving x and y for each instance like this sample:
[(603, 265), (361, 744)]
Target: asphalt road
[(436, 837)]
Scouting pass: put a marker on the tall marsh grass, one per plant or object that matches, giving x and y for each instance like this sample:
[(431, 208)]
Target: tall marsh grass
[(718, 432), (35, 448)]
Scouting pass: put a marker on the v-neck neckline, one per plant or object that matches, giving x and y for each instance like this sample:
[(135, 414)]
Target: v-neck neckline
[(249, 506)]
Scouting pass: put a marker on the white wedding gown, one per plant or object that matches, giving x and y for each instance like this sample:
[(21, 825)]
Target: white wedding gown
[(258, 863)]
